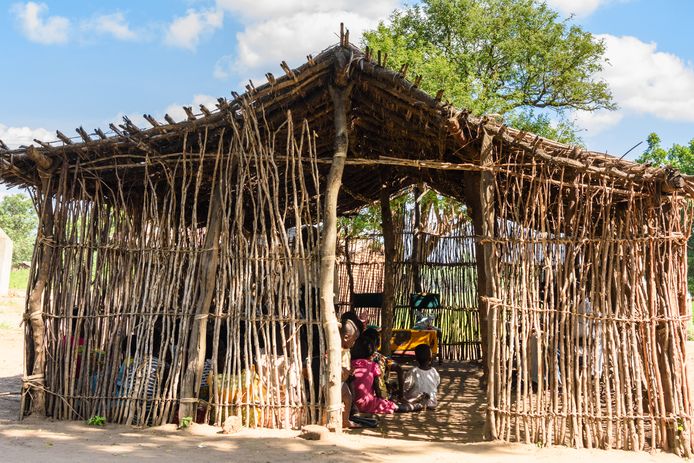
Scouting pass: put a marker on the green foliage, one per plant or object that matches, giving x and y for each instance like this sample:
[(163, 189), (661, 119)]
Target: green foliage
[(18, 219), (19, 278), (498, 56), (186, 421), (96, 420), (443, 211), (680, 157), (367, 220), (563, 131), (364, 222)]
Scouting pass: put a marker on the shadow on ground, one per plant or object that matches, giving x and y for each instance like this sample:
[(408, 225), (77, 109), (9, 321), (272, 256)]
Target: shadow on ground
[(10, 387), (458, 418)]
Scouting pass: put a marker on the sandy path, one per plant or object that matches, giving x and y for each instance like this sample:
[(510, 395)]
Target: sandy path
[(40, 441), (11, 340)]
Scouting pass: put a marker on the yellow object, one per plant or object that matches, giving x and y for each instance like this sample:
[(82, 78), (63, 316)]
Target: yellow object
[(407, 340), (243, 392)]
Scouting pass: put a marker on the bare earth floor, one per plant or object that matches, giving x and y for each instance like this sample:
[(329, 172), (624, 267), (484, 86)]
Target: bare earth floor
[(450, 434)]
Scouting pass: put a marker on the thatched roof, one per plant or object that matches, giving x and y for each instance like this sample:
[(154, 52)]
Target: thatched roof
[(395, 127)]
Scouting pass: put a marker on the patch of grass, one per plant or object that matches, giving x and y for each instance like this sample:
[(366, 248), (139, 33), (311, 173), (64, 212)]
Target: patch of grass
[(186, 421), (19, 278), (6, 326), (96, 420)]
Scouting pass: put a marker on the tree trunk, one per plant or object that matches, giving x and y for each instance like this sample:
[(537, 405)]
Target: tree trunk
[(35, 311), (479, 193), (340, 98), (34, 382), (417, 240), (190, 386), (387, 310)]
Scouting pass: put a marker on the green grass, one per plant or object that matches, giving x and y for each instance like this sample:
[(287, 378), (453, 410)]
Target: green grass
[(19, 279)]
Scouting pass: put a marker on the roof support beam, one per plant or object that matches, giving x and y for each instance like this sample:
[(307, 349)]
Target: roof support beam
[(341, 97), (487, 277)]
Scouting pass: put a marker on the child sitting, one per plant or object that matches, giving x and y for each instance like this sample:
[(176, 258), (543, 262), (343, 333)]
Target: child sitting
[(385, 364), (423, 379), (364, 372)]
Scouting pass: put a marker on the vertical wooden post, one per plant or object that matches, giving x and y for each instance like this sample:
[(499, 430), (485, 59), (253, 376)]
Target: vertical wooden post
[(190, 386), (340, 98), (34, 380), (388, 308), (350, 270), (486, 274), (417, 240)]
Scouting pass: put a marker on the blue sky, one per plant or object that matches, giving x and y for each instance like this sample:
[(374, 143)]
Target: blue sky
[(86, 63)]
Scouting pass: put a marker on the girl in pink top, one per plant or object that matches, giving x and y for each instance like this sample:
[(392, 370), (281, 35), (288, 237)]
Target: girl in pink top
[(364, 372)]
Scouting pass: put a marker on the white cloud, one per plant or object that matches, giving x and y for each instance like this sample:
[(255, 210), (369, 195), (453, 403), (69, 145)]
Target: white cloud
[(269, 9), (291, 38), (275, 31), (176, 111), (115, 25), (647, 81), (17, 136), (576, 7), (47, 31), (598, 121), (224, 67), (187, 31), (580, 8)]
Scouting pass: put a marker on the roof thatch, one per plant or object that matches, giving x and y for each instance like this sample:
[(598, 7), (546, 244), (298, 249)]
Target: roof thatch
[(394, 125)]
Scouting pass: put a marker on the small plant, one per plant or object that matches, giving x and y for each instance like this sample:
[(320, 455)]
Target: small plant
[(96, 420), (186, 421)]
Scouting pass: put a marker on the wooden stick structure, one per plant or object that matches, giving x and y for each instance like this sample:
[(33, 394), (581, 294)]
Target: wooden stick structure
[(187, 269)]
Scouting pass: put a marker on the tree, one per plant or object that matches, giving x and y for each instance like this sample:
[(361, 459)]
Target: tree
[(510, 57), (680, 157), (18, 219)]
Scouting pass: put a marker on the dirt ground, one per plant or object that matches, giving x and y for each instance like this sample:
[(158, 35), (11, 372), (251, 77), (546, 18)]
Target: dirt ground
[(433, 437)]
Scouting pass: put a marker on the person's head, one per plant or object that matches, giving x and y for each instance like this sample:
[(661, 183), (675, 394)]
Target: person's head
[(348, 333), (363, 348), (423, 355), (354, 318), (373, 335)]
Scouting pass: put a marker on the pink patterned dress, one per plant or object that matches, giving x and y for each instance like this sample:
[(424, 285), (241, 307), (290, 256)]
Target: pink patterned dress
[(364, 372)]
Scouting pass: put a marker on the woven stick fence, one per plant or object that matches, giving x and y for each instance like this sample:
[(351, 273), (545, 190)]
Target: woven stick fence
[(188, 287), (587, 327)]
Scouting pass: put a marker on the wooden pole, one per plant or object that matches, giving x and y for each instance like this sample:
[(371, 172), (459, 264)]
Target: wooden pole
[(207, 279), (417, 239), (387, 310), (34, 382), (481, 203), (340, 98), (350, 270)]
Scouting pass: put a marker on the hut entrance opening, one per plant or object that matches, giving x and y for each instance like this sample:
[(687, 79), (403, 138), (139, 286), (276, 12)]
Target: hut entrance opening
[(435, 274)]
